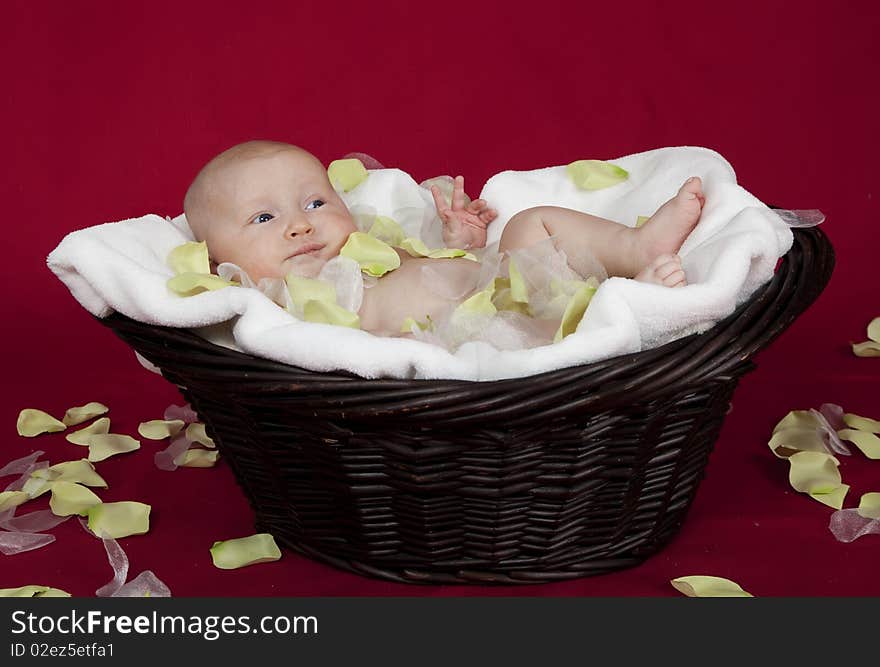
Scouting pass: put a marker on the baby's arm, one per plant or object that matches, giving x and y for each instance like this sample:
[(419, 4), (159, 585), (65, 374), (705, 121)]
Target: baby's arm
[(464, 226)]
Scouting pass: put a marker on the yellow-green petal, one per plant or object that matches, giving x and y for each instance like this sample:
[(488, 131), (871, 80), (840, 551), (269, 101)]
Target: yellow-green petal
[(416, 248), (84, 435), (347, 174), (861, 423), (642, 219), (31, 591), (119, 519), (410, 322), (788, 441), (10, 499), (869, 505), (190, 257), (816, 474), (69, 498), (867, 349), (477, 304), (375, 257), (33, 422), (195, 432), (518, 291), (574, 311), (159, 429), (36, 486), (797, 419), (190, 284), (79, 472), (324, 312), (595, 174), (309, 289), (388, 230), (110, 444), (874, 330), (83, 413), (867, 442), (198, 458), (232, 554), (701, 586)]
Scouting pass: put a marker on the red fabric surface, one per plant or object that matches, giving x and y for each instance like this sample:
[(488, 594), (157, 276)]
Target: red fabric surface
[(110, 108)]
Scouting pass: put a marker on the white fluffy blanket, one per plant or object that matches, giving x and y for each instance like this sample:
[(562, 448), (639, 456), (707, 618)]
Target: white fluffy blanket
[(121, 266)]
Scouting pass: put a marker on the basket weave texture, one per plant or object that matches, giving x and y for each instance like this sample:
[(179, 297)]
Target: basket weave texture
[(565, 474)]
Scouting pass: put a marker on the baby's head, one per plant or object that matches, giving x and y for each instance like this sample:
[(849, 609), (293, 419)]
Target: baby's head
[(269, 208)]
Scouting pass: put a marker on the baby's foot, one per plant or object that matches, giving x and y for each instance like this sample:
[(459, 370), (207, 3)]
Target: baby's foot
[(664, 270), (666, 230)]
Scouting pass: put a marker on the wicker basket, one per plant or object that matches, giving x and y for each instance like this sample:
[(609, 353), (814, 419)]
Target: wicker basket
[(565, 474)]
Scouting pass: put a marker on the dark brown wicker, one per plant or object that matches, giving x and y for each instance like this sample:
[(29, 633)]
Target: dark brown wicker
[(565, 474)]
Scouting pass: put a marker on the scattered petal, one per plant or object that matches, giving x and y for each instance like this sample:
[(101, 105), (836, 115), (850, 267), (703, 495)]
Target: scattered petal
[(83, 413), (34, 522), (36, 486), (190, 258), (33, 591), (848, 525), (801, 217), (833, 414), (198, 458), (303, 290), (869, 443), (375, 257), (145, 585), (16, 543), (80, 471), (18, 466), (806, 431), (119, 562), (416, 248), (232, 554), (33, 422), (21, 482), (368, 160), (324, 312), (346, 174), (167, 458), (102, 447), (861, 423), (69, 498), (642, 219), (183, 412), (10, 499), (159, 429), (388, 230), (518, 290), (816, 474), (119, 519), (190, 284), (874, 330), (196, 433), (575, 310), (869, 505), (700, 586), (84, 435), (595, 174), (867, 349)]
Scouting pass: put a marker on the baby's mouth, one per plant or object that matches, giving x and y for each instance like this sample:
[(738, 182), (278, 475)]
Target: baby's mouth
[(307, 249)]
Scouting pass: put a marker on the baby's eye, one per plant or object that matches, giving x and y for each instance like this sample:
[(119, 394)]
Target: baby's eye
[(263, 217), (315, 203)]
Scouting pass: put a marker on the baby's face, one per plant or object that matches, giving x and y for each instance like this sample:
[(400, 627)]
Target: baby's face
[(272, 212)]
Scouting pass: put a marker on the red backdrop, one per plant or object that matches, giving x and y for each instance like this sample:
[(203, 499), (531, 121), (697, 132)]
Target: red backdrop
[(110, 108)]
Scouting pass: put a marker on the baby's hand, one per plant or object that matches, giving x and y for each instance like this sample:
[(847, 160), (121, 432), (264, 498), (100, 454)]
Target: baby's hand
[(463, 226)]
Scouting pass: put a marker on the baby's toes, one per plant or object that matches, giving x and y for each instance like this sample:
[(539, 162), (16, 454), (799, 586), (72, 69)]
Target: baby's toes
[(675, 279)]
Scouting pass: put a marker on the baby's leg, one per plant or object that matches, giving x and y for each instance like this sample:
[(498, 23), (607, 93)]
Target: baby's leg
[(624, 251)]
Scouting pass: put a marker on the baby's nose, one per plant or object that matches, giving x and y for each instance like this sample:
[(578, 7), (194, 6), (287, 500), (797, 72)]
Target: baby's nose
[(299, 225)]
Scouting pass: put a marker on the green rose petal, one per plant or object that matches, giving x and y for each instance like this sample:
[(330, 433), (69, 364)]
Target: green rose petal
[(478, 304), (410, 322), (159, 429), (36, 486), (375, 257), (416, 248), (869, 505), (232, 554), (190, 258), (874, 330), (198, 458), (33, 591), (867, 442), (119, 519), (10, 499), (866, 349), (84, 435), (69, 498), (518, 291), (32, 422), (709, 587), (196, 433), (190, 284), (110, 444), (575, 310), (323, 312), (309, 289), (595, 174), (83, 413), (642, 219), (861, 423), (387, 230), (78, 472), (816, 474), (347, 174)]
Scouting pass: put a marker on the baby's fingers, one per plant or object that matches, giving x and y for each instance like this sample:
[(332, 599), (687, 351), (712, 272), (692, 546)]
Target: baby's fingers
[(458, 194), (488, 215), (439, 201)]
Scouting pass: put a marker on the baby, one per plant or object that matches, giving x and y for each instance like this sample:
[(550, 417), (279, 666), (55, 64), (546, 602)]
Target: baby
[(270, 208)]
